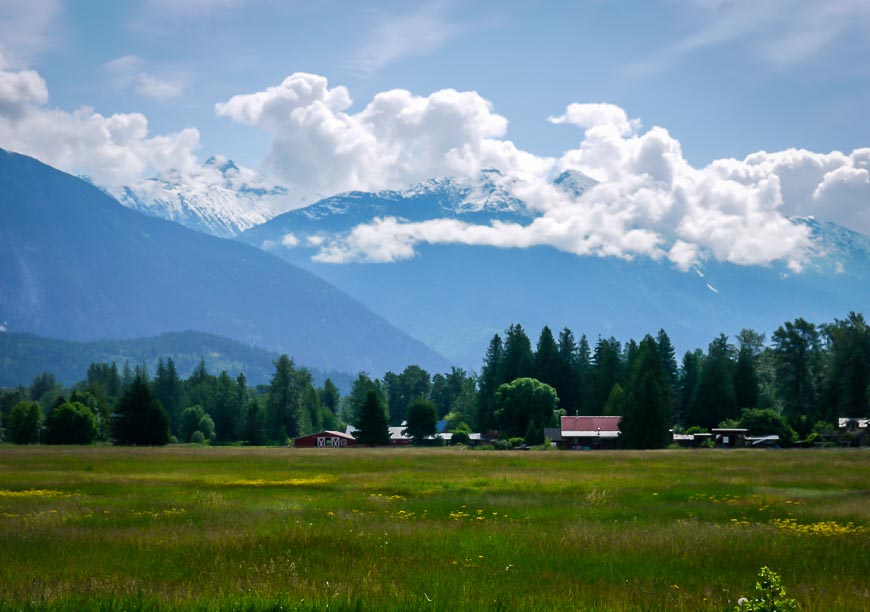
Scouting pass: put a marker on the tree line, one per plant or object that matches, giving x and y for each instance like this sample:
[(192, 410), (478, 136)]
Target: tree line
[(795, 385)]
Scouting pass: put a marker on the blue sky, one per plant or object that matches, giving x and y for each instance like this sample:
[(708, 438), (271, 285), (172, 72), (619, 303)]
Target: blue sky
[(707, 124), (725, 78)]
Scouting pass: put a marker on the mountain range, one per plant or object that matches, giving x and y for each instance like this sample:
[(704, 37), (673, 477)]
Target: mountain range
[(455, 297), (451, 297), (76, 265), (222, 200), (23, 356)]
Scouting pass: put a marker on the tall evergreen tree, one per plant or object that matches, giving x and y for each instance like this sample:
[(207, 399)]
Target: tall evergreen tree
[(107, 378), (517, 360), (285, 402), (139, 419), (606, 371), (226, 409), (254, 433), (798, 364), (127, 376), (200, 387), (668, 357), (645, 418), (371, 425), (690, 374), (746, 388), (584, 376), (713, 399), (547, 366), (568, 381), (329, 396), (358, 392), (169, 391), (488, 383), (312, 408), (849, 369)]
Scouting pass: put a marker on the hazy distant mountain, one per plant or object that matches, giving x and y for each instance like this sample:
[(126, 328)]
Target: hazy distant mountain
[(456, 297), (223, 200), (74, 264), (23, 356)]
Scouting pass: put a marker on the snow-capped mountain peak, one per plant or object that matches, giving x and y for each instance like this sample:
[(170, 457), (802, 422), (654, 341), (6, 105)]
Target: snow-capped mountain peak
[(218, 198)]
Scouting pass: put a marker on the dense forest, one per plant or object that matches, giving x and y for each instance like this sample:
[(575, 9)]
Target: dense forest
[(795, 385)]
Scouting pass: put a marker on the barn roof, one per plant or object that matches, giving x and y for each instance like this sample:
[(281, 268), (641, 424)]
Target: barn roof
[(326, 432), (590, 423)]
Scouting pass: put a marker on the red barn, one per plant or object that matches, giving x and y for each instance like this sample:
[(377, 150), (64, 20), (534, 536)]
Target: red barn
[(325, 439)]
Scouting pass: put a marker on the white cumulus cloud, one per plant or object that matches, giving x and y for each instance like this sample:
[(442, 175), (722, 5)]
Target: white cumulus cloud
[(397, 139), (113, 150), (649, 200)]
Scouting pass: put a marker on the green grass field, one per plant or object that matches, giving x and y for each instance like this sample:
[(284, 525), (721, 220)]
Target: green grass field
[(251, 529)]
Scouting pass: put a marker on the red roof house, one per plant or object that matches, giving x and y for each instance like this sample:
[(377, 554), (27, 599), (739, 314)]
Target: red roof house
[(590, 431)]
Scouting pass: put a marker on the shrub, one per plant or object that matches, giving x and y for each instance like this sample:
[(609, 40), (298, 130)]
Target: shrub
[(515, 442), (770, 595), (503, 444), (197, 437)]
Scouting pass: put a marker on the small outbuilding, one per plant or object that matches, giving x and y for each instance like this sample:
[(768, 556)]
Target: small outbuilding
[(729, 437), (325, 439)]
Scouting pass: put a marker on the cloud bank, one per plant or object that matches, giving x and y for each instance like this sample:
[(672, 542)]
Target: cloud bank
[(649, 200)]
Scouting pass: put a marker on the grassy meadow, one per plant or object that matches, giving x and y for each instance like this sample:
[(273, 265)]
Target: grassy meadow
[(276, 528)]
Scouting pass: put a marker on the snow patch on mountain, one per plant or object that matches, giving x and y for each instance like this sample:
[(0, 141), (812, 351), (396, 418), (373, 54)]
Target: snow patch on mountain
[(219, 198)]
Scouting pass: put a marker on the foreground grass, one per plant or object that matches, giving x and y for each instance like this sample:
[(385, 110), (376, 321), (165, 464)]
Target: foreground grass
[(261, 529)]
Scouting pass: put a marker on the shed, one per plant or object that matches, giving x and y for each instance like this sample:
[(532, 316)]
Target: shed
[(729, 437), (325, 439)]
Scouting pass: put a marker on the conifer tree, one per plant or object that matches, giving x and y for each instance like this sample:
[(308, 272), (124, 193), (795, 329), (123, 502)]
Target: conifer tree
[(255, 424), (225, 408), (329, 396), (517, 359), (849, 367), (690, 374), (285, 401), (746, 389), (798, 362), (139, 419), (568, 383), (488, 383), (169, 390), (606, 371), (371, 426), (713, 398), (547, 359), (645, 421)]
